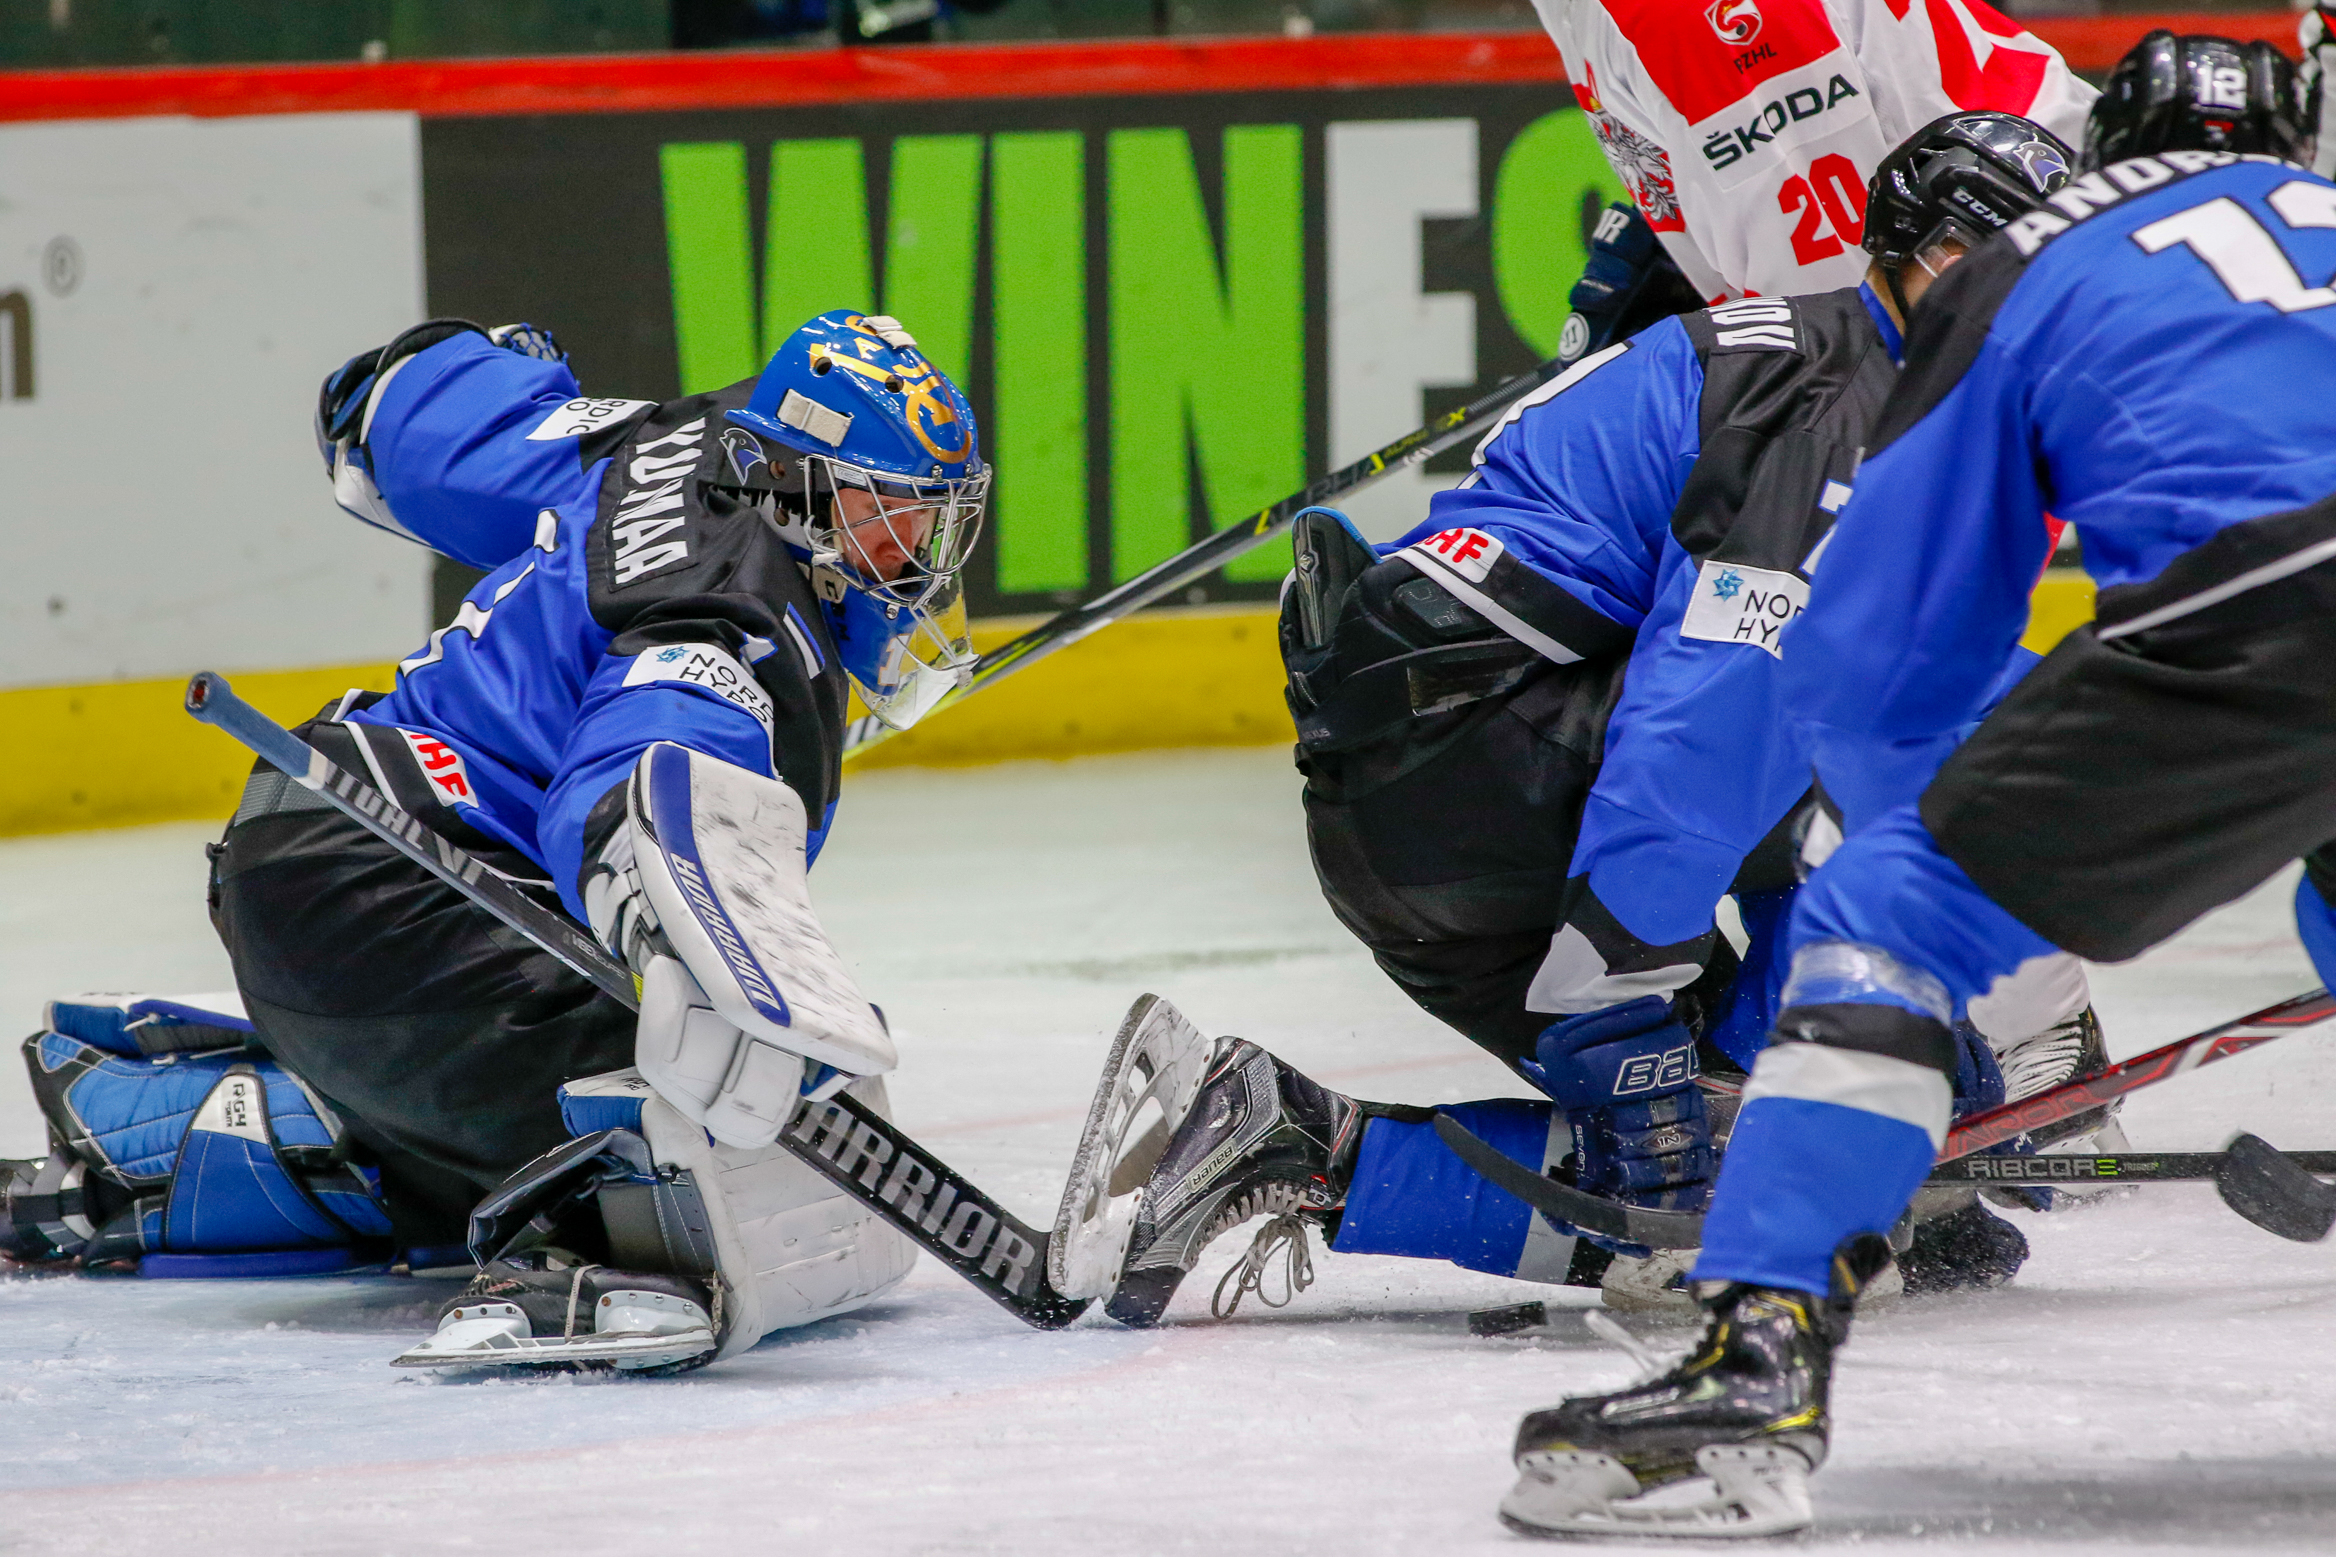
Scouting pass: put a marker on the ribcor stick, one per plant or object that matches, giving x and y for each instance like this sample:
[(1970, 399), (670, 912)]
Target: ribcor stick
[(2050, 1168), (2184, 1055), (1684, 1229), (1212, 553), (863, 1155)]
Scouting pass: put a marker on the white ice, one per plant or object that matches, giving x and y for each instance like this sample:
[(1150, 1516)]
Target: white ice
[(2162, 1376)]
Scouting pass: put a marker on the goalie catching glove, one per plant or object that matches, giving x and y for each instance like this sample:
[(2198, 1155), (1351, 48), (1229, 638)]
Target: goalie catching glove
[(701, 888)]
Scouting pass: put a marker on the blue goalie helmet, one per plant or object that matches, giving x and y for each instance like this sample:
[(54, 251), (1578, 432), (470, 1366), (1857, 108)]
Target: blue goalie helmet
[(893, 493)]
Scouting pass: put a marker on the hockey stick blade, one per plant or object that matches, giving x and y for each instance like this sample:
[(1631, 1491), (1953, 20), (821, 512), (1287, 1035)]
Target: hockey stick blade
[(2273, 1190), (1566, 1204), (864, 1155), (1214, 551)]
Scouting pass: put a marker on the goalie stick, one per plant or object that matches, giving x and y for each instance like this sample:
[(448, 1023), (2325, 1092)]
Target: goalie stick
[(1214, 551), (2264, 1186), (861, 1153)]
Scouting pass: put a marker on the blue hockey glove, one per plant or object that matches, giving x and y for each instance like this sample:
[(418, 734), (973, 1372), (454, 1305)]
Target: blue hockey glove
[(1629, 283), (349, 391), (1625, 1077)]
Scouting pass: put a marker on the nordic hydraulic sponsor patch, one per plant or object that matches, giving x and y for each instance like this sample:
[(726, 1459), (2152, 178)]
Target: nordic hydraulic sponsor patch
[(1738, 604), (707, 666)]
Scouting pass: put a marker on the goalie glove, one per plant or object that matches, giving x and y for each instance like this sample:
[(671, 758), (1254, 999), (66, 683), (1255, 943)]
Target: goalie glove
[(701, 889)]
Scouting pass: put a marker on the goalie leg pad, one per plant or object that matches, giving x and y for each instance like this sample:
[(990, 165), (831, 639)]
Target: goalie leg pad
[(183, 1160), (739, 1242), (789, 1248)]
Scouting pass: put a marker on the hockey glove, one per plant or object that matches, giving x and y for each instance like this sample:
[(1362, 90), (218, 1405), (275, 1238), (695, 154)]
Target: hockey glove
[(1630, 283), (701, 888), (1625, 1077)]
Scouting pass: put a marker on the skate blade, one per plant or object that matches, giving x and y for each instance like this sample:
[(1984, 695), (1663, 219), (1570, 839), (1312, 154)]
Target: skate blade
[(1747, 1492), (1150, 1078), (483, 1343)]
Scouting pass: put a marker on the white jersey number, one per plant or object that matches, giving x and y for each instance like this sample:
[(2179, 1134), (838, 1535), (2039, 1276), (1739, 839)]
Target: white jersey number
[(2242, 252)]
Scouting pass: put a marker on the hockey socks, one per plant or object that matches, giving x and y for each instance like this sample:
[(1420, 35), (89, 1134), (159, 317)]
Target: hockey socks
[(1409, 1195)]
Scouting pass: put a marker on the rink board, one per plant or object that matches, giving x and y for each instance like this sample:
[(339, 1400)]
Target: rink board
[(1177, 280)]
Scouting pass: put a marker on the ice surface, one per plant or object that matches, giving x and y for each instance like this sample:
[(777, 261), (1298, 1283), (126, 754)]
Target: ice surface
[(2162, 1377)]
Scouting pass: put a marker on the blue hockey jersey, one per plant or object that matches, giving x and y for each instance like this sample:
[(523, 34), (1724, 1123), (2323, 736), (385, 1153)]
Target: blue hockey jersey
[(2152, 358), (640, 591), (1673, 487)]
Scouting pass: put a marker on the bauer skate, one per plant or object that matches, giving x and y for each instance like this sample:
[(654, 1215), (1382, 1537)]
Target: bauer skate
[(2059, 1054), (1150, 1078), (1720, 1446), (1258, 1140), (545, 1310)]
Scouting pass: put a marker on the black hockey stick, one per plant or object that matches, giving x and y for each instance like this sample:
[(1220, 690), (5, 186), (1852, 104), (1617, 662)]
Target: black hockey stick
[(2077, 1168), (865, 1156), (2268, 1190), (1213, 552)]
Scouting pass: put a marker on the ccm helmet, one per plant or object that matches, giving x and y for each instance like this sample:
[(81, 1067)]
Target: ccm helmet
[(2198, 93), (893, 488), (1964, 177)]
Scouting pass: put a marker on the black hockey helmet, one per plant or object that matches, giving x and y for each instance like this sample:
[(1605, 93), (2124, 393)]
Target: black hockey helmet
[(2198, 93), (1966, 176)]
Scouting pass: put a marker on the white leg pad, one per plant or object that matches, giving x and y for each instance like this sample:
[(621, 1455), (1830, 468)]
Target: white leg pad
[(791, 1247)]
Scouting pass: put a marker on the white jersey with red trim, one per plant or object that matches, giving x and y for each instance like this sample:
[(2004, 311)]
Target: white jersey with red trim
[(1746, 130)]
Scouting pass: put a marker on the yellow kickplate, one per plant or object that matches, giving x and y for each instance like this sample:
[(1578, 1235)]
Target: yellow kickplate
[(125, 752), (1191, 676)]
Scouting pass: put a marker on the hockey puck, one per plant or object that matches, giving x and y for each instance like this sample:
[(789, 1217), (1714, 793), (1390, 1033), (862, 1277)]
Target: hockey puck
[(1508, 1321)]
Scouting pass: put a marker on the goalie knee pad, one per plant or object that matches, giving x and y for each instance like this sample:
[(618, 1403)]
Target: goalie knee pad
[(643, 1243), (178, 1150)]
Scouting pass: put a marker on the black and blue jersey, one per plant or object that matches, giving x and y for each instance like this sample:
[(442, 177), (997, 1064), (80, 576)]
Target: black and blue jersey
[(639, 591)]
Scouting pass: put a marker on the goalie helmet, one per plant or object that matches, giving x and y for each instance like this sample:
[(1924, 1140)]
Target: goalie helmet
[(2198, 93), (890, 503)]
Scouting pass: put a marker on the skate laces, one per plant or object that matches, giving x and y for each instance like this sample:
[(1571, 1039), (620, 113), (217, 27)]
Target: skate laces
[(2043, 1060), (1284, 1235)]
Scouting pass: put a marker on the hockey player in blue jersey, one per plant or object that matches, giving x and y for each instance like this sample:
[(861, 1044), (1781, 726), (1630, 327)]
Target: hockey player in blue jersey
[(638, 712), (1615, 573), (2106, 357)]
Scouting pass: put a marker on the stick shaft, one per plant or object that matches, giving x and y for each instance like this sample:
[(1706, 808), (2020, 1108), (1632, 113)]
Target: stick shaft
[(863, 1154), (2177, 1058), (1214, 551), (2051, 1168)]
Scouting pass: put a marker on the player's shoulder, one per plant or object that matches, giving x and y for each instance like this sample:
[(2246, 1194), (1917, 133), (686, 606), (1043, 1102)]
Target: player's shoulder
[(681, 511), (2092, 247), (2096, 210)]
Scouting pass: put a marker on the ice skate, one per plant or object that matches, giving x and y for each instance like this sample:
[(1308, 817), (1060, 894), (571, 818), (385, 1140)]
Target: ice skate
[(1153, 1073), (2058, 1054), (1720, 1446), (548, 1311), (1258, 1140)]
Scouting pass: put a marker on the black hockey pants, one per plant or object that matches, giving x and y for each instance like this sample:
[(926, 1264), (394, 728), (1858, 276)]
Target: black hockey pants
[(437, 1032)]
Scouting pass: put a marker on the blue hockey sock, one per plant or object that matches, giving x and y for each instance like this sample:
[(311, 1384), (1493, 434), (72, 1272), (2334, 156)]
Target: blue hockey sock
[(1410, 1195), (1830, 1143)]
